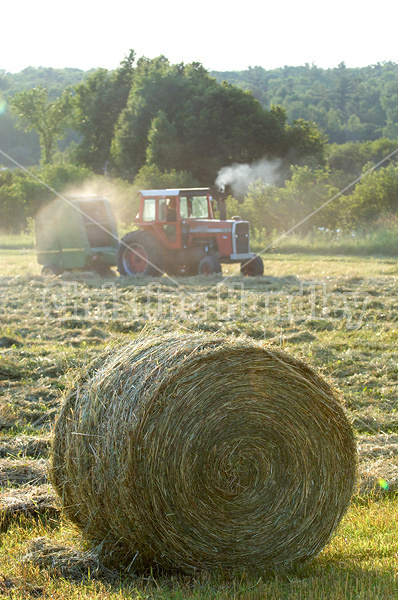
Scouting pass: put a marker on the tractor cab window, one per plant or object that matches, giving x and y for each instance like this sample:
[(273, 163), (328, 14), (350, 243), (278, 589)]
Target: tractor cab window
[(185, 207), (162, 209), (194, 207), (149, 213), (171, 210)]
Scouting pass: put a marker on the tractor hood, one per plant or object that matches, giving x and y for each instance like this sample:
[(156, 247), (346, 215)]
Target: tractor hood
[(209, 225), (233, 237)]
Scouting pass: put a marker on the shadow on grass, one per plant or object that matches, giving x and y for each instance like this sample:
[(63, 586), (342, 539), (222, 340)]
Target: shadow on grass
[(316, 580)]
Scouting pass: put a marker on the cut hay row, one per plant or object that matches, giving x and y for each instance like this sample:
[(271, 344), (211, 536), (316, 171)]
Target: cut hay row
[(194, 452), (378, 477), (65, 561), (24, 446), (27, 502), (378, 446), (14, 472)]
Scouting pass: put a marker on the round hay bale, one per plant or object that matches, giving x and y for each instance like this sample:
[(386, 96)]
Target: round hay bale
[(194, 452)]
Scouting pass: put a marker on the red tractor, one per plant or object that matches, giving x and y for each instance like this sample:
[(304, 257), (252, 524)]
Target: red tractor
[(179, 235)]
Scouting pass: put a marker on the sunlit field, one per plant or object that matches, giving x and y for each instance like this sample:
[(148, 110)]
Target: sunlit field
[(338, 313)]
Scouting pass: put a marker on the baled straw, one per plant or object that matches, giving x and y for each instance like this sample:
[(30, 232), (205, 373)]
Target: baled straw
[(193, 452)]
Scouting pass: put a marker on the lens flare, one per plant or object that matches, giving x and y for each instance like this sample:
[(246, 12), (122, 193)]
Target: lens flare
[(383, 484), (3, 106)]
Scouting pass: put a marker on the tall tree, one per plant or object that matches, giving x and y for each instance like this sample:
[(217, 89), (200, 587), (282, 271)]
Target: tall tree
[(304, 143), (163, 148), (157, 88), (207, 125), (49, 119), (97, 104), (375, 197)]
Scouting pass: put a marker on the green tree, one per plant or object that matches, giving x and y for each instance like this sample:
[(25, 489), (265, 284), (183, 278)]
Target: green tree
[(97, 104), (304, 143), (49, 119), (388, 99), (151, 177), (224, 125), (163, 148), (343, 88), (353, 156), (307, 190), (178, 117), (335, 127), (21, 196), (262, 208), (310, 93), (157, 87), (376, 196), (272, 208), (356, 129)]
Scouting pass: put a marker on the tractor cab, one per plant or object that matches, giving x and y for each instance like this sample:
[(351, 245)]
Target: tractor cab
[(169, 212)]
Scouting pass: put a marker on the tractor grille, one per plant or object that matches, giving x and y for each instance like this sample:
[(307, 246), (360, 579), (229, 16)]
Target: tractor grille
[(241, 241)]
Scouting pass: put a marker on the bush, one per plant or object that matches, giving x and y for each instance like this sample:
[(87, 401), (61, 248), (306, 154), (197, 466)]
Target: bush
[(21, 195)]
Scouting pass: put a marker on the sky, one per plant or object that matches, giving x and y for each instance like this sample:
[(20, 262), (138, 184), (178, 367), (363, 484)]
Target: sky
[(222, 35)]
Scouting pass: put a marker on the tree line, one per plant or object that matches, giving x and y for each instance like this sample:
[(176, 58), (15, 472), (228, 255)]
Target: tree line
[(348, 104), (150, 123), (153, 113), (371, 204)]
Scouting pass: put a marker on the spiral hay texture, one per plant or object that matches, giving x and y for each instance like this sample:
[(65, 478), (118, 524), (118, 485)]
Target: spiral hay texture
[(196, 452)]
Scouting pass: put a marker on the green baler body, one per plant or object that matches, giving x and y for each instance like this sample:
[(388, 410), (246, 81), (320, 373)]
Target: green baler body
[(67, 237)]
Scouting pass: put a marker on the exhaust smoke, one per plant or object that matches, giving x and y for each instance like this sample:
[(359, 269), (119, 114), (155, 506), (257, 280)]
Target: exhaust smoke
[(239, 177)]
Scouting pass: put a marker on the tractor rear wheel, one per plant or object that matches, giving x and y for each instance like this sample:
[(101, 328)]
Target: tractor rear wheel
[(252, 267), (139, 253), (209, 265)]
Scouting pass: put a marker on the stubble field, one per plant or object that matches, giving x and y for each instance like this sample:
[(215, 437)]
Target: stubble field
[(338, 314)]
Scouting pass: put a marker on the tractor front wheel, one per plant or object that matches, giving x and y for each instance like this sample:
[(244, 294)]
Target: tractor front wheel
[(139, 253), (209, 265), (252, 267)]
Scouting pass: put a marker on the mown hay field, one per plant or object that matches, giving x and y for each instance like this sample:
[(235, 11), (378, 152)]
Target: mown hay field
[(338, 314)]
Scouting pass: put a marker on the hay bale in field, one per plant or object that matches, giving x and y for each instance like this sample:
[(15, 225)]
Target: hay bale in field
[(192, 452)]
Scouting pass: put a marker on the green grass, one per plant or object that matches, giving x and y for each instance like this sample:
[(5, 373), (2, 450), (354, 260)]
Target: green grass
[(380, 242), (360, 562), (23, 263), (338, 313), (17, 241)]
